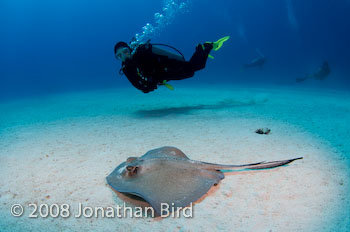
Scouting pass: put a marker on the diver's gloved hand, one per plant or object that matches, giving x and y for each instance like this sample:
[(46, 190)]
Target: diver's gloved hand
[(149, 85), (149, 90)]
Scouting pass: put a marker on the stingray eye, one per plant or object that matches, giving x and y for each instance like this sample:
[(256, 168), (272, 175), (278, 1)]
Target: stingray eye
[(132, 170)]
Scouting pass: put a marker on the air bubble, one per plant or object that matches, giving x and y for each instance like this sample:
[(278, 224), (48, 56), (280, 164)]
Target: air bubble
[(169, 11)]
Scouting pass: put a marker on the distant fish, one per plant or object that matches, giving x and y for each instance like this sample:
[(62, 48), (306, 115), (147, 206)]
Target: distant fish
[(321, 74), (257, 62)]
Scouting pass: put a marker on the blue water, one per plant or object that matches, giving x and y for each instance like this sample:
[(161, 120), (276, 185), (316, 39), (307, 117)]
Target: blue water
[(57, 46), (54, 47)]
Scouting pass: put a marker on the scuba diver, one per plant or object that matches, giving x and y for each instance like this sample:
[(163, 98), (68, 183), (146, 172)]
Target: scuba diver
[(148, 66), (323, 71), (257, 62)]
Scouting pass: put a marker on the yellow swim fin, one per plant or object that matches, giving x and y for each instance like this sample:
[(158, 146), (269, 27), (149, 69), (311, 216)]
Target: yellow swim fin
[(167, 85), (218, 44)]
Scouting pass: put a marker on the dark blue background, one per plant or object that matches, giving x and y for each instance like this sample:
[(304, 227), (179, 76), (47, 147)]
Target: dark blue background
[(55, 46)]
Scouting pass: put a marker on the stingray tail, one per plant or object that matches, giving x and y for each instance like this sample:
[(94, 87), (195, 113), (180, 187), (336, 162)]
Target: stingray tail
[(271, 164), (260, 165)]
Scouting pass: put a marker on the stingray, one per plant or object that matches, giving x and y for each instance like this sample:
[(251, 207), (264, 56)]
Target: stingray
[(166, 175)]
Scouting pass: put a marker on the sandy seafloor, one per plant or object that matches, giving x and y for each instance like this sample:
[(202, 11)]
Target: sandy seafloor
[(58, 149)]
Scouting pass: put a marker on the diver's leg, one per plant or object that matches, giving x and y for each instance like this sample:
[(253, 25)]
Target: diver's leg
[(177, 70), (200, 56)]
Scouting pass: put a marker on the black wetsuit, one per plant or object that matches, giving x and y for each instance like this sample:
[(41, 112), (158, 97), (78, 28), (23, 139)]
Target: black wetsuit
[(145, 70)]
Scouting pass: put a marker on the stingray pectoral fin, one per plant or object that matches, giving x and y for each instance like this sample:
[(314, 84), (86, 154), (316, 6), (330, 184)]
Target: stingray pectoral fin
[(170, 184), (181, 191), (165, 152)]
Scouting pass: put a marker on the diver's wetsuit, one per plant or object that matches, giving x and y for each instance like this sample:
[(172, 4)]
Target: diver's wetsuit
[(145, 70)]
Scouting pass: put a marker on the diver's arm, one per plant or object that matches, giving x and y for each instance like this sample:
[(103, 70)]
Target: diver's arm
[(144, 84), (145, 68), (148, 87)]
